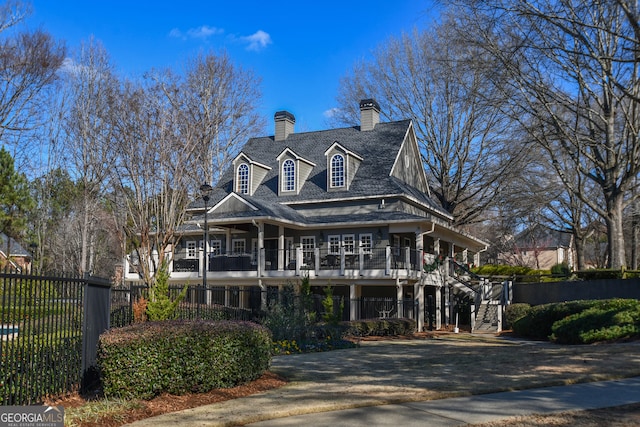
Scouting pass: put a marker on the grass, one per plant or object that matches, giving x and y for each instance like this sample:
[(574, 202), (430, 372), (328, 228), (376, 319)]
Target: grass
[(92, 412)]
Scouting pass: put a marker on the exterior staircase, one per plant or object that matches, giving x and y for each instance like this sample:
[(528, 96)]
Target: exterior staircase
[(487, 320), (487, 296)]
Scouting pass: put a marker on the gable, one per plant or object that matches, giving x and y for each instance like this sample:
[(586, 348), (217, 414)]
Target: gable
[(248, 174), (342, 166), (232, 204), (293, 177), (408, 165)]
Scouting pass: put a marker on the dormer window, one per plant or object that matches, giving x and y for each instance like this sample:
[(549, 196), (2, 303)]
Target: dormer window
[(288, 175), (243, 179), (337, 171)]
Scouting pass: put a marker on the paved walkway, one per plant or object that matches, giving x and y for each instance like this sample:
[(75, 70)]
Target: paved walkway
[(358, 387), (476, 409)]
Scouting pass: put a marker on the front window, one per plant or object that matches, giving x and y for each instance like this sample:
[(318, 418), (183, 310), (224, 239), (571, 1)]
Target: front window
[(365, 243), (243, 179), (334, 245), (337, 171), (288, 175), (349, 241), (308, 247), (239, 246), (191, 249), (215, 247)]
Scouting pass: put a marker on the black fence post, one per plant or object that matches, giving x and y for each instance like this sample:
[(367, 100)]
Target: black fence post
[(97, 309)]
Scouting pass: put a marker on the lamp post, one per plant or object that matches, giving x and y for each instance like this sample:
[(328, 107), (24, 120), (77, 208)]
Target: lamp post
[(205, 191)]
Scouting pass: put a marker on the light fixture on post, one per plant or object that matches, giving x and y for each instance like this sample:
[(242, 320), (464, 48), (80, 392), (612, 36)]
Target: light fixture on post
[(205, 191)]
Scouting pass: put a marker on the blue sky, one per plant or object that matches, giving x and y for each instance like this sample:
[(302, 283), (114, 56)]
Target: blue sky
[(300, 49)]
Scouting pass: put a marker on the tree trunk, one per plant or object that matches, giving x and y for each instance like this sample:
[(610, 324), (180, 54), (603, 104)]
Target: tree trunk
[(579, 247), (615, 235)]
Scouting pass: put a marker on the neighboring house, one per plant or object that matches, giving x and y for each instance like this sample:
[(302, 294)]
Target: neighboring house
[(349, 207), (540, 248), (13, 256)]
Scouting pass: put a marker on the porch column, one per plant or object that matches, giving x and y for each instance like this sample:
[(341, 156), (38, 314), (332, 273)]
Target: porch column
[(448, 305), (438, 303), (418, 295), (354, 290), (281, 254), (263, 295), (465, 256), (400, 298), (260, 253), (419, 252), (476, 259), (436, 247), (228, 241)]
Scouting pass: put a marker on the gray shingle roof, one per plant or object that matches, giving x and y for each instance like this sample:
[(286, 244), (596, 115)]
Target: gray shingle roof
[(16, 248), (378, 148)]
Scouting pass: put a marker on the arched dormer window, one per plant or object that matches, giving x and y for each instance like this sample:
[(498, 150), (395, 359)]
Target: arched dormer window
[(337, 171), (288, 175), (243, 179)]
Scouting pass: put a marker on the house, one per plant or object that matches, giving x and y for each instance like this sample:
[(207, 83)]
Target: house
[(13, 256), (540, 248), (350, 208)]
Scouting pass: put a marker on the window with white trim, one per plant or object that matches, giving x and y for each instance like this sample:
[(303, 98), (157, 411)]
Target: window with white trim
[(334, 244), (288, 175), (242, 186), (366, 243), (215, 247), (349, 242), (396, 244), (337, 171), (191, 249), (239, 246), (308, 247)]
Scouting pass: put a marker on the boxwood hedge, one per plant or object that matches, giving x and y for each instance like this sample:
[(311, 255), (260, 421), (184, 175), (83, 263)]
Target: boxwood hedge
[(582, 322), (181, 356)]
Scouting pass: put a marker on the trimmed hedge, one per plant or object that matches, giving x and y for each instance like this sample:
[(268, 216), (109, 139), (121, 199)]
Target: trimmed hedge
[(538, 322), (515, 312), (582, 322), (380, 327), (181, 356), (606, 320)]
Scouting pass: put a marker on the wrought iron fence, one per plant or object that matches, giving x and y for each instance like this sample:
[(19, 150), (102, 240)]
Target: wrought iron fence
[(48, 341)]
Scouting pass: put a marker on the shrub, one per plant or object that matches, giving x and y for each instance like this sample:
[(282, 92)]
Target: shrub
[(146, 359), (604, 320), (514, 312), (380, 327), (561, 269), (538, 322), (599, 274), (502, 270)]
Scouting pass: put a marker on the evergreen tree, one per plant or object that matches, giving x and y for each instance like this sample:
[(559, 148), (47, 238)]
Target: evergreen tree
[(15, 199)]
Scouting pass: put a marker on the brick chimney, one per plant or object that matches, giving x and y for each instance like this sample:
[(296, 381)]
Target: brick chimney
[(369, 114), (284, 125)]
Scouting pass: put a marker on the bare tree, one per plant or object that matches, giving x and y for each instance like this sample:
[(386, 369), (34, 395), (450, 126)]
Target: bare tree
[(444, 87), (154, 171), (574, 67), (217, 103), (86, 146), (28, 65), (174, 133)]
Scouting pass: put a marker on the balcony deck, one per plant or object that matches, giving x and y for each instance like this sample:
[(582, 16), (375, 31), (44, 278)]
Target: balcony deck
[(317, 263)]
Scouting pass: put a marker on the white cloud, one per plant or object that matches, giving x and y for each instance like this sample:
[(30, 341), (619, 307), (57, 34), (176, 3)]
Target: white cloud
[(330, 113), (202, 32), (257, 41)]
